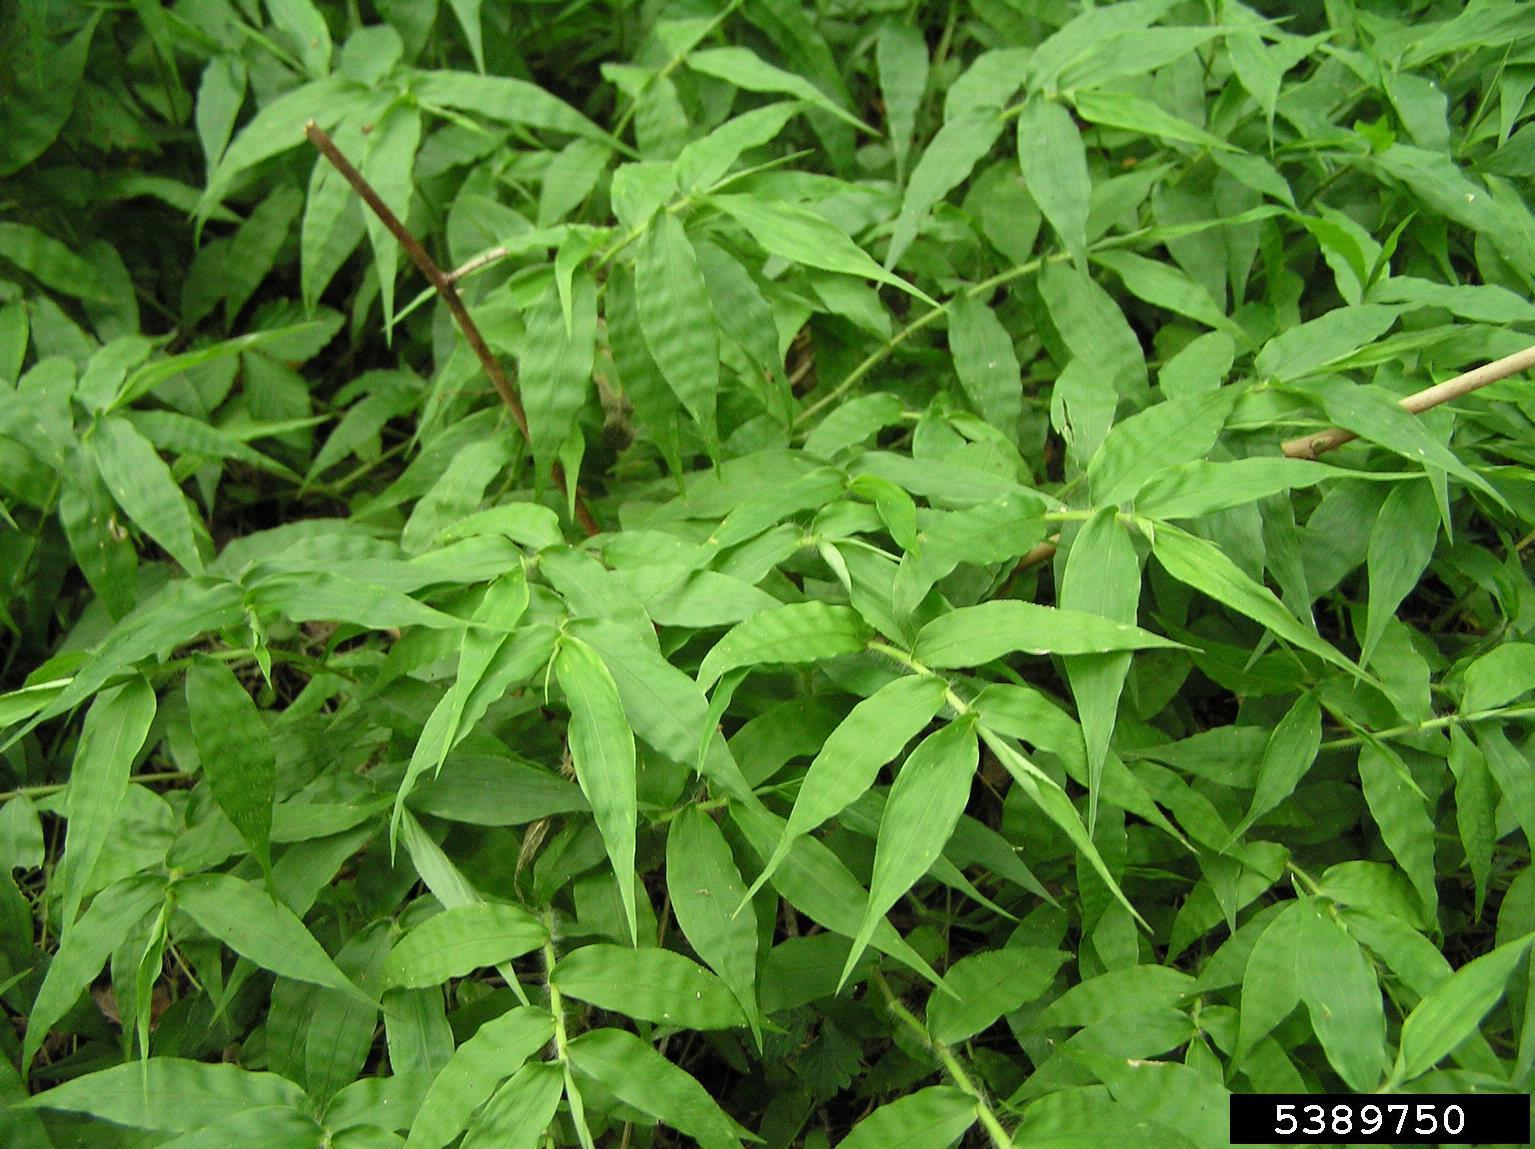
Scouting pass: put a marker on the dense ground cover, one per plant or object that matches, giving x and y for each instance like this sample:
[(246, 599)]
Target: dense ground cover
[(850, 642)]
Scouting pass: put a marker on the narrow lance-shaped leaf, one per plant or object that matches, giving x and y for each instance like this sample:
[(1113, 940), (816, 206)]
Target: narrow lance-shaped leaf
[(1451, 1013), (712, 907), (1338, 985), (801, 236), (1402, 542), (459, 941), (638, 1075), (873, 733), (144, 488), (985, 362), (972, 635), (926, 800), (602, 750), (1054, 166), (112, 917), (1102, 577), (497, 1048), (1291, 749), (115, 728), (1402, 814), (256, 927), (960, 144), (653, 984), (1045, 793), (1202, 565), (236, 751), (745, 69), (795, 632), (170, 1094), (519, 1113), (556, 363), (678, 320), (931, 1118), (1150, 441), (901, 55), (498, 613)]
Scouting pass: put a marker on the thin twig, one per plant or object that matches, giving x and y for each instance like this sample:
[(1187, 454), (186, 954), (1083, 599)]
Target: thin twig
[(443, 283), (1310, 446)]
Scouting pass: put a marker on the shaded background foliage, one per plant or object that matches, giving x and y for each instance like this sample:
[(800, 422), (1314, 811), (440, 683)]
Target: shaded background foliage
[(963, 697)]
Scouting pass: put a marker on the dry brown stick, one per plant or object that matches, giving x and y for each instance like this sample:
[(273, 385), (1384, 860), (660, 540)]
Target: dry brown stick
[(443, 283), (1310, 446)]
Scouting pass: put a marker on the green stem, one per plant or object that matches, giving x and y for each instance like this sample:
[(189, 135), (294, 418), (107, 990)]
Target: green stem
[(556, 1002), (1440, 723), (55, 787), (957, 1073)]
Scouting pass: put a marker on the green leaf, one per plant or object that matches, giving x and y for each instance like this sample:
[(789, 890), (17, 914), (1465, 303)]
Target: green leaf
[(256, 927), (556, 367), (654, 984), (1202, 565), (704, 162), (930, 1118), (818, 884), (1338, 985), (1150, 441), (639, 1076), (1402, 815), (459, 941), (602, 750), (1402, 541), (946, 163), (388, 165), (873, 733), (973, 635), (1103, 578), (1197, 488), (144, 488), (1047, 794), (113, 916), (1270, 982), (1451, 1013), (1132, 113), (49, 262), (235, 748), (170, 1094), (115, 729), (711, 904), (801, 236), (40, 98), (926, 800), (1055, 169), (677, 319), (1498, 677), (503, 99), (1310, 347), (1374, 413), (322, 596), (746, 70), (520, 1111), (988, 984), (901, 56), (279, 127), (1167, 286), (466, 1082), (985, 362), (796, 632), (1290, 751)]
